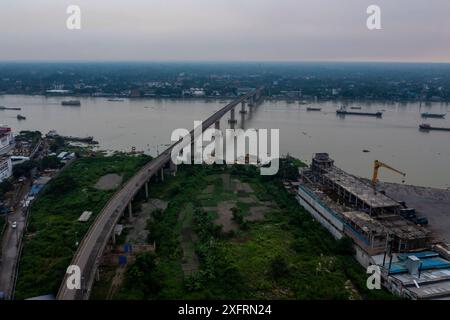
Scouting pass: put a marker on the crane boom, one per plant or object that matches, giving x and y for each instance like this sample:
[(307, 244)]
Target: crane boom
[(377, 165)]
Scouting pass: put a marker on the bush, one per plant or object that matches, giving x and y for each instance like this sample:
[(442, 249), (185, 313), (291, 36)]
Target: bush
[(344, 246), (24, 169), (62, 185), (279, 267), (50, 162)]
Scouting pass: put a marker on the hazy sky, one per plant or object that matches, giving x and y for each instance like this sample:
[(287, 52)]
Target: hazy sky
[(223, 30)]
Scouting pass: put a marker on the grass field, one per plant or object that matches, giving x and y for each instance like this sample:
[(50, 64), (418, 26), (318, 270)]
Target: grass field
[(272, 249), (53, 229)]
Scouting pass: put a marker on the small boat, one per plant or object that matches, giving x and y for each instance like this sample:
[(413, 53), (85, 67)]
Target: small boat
[(116, 100), (71, 103), (433, 115), (313, 109), (428, 127), (21, 117)]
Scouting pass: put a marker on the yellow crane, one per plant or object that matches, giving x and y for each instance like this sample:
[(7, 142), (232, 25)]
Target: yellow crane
[(377, 165)]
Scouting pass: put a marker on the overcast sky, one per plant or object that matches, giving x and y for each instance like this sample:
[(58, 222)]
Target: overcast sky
[(225, 30)]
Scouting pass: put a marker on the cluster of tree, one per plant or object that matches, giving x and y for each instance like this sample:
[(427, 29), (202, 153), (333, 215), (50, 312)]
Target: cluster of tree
[(27, 168)]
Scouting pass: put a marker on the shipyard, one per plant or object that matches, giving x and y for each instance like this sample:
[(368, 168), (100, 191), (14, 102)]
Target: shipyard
[(386, 232)]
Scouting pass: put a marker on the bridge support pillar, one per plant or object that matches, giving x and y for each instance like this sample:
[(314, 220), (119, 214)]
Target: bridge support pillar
[(162, 174), (173, 168), (217, 125), (146, 190), (97, 275), (113, 238), (243, 111), (130, 210), (232, 121)]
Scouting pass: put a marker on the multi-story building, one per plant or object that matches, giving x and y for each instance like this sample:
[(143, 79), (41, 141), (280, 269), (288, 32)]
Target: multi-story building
[(6, 145), (5, 167)]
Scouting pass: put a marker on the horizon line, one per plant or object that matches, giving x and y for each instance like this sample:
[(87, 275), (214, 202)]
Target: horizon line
[(225, 61)]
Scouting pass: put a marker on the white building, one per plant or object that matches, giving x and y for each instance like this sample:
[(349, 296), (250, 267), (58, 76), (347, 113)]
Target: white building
[(5, 168), (6, 145), (6, 139)]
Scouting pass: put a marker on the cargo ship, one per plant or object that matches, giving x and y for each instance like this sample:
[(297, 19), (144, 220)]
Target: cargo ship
[(433, 115), (6, 108), (343, 111), (71, 103), (428, 127), (313, 109)]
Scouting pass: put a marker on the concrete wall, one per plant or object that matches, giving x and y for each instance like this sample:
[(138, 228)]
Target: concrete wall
[(321, 214)]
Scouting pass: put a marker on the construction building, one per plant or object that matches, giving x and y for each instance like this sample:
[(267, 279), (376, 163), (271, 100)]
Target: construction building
[(350, 206)]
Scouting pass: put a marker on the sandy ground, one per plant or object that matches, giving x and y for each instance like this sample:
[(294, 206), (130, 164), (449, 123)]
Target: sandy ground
[(429, 202), (109, 182)]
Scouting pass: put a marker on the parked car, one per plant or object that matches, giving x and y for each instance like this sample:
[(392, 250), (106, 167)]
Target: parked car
[(14, 224)]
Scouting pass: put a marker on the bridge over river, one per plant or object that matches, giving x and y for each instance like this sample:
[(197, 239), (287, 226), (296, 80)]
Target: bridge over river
[(92, 246)]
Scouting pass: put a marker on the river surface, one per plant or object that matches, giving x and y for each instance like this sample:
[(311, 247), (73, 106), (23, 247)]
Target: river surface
[(147, 124)]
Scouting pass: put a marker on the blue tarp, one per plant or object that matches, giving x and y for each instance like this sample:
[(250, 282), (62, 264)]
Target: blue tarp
[(35, 189)]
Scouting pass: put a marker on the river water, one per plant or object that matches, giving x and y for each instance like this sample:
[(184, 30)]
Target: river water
[(147, 124)]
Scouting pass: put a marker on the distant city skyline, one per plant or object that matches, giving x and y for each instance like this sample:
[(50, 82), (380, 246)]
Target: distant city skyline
[(225, 30)]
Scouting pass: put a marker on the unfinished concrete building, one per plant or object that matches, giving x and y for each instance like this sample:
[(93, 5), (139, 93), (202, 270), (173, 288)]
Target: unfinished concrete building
[(369, 217)]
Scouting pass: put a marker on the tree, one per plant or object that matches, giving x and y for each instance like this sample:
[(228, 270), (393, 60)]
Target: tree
[(142, 274), (279, 267), (62, 184), (50, 162), (344, 246), (24, 169)]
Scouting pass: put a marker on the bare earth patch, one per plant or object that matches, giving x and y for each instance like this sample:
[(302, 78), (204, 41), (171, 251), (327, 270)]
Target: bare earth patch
[(256, 214), (249, 199), (226, 182), (225, 216), (109, 181), (242, 186), (138, 233)]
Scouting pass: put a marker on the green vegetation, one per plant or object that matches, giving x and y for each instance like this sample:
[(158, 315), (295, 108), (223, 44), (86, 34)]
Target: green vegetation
[(24, 169), (284, 255), (2, 225), (32, 137), (53, 228), (5, 186)]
